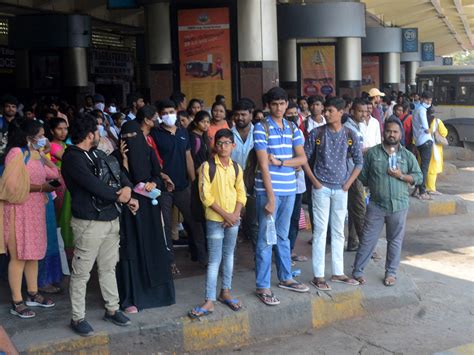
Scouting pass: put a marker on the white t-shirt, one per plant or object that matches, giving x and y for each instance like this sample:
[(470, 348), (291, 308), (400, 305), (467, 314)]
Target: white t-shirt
[(312, 124), (371, 132)]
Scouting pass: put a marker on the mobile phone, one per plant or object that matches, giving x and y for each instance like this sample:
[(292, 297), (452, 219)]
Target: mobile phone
[(54, 183)]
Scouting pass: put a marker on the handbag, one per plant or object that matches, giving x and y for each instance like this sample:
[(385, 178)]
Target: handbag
[(438, 138)]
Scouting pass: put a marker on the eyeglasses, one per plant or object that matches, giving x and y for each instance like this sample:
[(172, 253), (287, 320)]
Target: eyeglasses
[(225, 143)]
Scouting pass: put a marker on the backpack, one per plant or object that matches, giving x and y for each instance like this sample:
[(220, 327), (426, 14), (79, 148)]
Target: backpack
[(320, 140), (213, 168), (251, 166), (107, 169)]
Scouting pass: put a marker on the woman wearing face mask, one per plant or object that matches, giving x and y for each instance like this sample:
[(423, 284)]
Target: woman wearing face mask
[(105, 143), (143, 273), (25, 224), (218, 121)]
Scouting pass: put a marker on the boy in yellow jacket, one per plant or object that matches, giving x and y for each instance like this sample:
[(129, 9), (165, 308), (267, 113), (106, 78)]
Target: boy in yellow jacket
[(222, 192)]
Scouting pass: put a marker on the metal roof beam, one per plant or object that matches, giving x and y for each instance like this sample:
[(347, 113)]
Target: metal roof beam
[(463, 17)]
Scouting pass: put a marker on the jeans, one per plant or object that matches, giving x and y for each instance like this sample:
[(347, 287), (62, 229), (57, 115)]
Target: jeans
[(425, 157), (250, 221), (375, 218), (356, 209), (328, 204), (295, 221), (182, 200), (282, 216), (220, 245)]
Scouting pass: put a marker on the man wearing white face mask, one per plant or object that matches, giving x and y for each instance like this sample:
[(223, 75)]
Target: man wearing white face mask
[(175, 150), (99, 104)]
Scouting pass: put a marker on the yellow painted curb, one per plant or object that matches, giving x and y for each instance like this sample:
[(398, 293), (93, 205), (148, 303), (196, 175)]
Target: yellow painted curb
[(467, 349), (441, 208), (339, 307), (98, 344), (212, 334)]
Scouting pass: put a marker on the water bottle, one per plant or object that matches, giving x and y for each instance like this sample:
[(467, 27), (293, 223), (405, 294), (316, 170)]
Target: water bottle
[(392, 159), (271, 231)]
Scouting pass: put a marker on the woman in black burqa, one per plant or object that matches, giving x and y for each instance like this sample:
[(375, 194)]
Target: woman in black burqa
[(143, 274)]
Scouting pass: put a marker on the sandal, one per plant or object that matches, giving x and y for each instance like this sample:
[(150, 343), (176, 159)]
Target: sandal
[(50, 289), (37, 300), (21, 310), (294, 286), (198, 312), (321, 284), (361, 280), (300, 258), (268, 298), (435, 193), (233, 304), (425, 197), (344, 279), (131, 310), (390, 281)]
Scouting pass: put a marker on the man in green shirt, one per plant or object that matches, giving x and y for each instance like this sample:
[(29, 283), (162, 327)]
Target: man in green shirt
[(388, 200)]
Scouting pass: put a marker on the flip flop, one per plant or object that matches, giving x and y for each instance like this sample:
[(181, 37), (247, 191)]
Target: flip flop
[(203, 313), (390, 281), (294, 286), (320, 283), (233, 304), (268, 298), (345, 280), (300, 258)]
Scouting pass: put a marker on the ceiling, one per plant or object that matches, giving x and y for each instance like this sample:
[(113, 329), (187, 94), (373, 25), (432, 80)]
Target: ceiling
[(448, 23)]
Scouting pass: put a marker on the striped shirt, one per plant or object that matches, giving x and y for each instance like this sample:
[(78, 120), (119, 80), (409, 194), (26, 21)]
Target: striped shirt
[(281, 143)]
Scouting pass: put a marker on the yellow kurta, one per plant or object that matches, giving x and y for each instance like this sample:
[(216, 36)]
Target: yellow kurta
[(436, 162)]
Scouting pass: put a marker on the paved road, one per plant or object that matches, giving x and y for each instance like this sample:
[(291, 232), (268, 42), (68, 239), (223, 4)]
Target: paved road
[(439, 254)]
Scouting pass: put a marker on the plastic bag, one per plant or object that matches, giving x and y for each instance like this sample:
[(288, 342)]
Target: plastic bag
[(270, 231)]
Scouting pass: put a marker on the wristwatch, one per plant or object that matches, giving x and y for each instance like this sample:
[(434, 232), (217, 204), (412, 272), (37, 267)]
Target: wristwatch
[(281, 163), (402, 177)]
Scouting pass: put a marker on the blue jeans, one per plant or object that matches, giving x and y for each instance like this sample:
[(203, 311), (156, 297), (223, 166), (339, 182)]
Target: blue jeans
[(282, 216), (220, 246), (328, 205)]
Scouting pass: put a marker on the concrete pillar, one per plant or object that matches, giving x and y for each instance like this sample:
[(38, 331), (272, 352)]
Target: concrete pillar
[(159, 55), (258, 47), (75, 67), (410, 77), (349, 62), (288, 67), (391, 70)]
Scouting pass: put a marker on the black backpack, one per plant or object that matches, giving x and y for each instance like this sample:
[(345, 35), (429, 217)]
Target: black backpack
[(213, 167), (107, 169)]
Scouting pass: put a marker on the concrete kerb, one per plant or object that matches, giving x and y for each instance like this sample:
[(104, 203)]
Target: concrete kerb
[(159, 331), (443, 205)]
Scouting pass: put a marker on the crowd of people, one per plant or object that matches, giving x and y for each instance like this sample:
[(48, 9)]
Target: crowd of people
[(120, 187)]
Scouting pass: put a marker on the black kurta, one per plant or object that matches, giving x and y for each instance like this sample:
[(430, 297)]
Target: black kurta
[(143, 274)]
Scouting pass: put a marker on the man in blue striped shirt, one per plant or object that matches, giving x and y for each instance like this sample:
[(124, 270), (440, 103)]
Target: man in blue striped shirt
[(279, 148)]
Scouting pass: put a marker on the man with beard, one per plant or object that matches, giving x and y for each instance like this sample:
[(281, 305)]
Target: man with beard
[(96, 206), (388, 200), (243, 134)]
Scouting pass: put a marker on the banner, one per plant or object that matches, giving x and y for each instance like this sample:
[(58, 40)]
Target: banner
[(370, 72), (427, 52), (318, 70), (204, 54), (111, 63), (410, 39)]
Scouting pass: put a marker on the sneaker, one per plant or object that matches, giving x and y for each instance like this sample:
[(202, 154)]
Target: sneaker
[(82, 328), (118, 318)]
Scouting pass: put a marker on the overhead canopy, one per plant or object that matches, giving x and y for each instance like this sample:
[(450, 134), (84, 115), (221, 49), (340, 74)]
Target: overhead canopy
[(448, 23)]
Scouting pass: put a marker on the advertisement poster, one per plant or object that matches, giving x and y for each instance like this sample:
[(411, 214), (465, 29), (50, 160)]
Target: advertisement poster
[(370, 72), (204, 54), (318, 70)]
